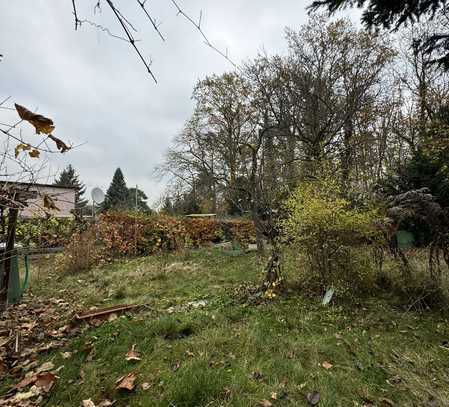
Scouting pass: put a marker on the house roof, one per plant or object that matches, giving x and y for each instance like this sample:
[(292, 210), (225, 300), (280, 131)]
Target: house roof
[(35, 184)]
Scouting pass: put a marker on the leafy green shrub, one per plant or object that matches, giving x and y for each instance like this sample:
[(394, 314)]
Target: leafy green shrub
[(52, 232), (333, 240)]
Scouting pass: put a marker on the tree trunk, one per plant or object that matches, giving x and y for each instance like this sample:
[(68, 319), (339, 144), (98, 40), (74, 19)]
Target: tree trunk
[(346, 157), (273, 269), (255, 203)]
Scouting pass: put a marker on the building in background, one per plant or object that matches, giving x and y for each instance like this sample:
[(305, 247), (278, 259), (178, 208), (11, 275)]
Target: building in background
[(39, 197)]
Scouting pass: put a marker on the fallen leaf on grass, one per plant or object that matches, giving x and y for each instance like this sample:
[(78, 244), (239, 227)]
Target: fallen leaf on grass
[(106, 403), (88, 403), (29, 325), (45, 367), (45, 381), (112, 317), (327, 365), (274, 395), (66, 355), (313, 398), (176, 366), (26, 381), (26, 395), (265, 403), (145, 386), (126, 382), (132, 355)]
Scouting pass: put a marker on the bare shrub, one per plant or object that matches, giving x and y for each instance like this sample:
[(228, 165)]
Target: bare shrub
[(82, 252)]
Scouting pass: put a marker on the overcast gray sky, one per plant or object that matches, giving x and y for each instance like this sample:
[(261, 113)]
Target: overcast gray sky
[(98, 93)]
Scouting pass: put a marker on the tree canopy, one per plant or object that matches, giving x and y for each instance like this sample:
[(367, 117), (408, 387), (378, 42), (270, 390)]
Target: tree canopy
[(69, 178), (120, 197), (117, 193), (394, 14)]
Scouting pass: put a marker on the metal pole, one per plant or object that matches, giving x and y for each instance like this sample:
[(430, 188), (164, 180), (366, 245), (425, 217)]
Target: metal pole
[(9, 252)]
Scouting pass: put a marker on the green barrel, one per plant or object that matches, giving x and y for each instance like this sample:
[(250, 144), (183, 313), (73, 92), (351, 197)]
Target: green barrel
[(15, 287)]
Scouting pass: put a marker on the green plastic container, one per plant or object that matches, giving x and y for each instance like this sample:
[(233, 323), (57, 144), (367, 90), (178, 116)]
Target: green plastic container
[(16, 288)]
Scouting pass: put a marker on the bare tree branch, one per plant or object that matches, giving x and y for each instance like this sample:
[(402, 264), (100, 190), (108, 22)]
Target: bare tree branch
[(75, 15), (131, 39), (152, 20), (200, 30), (104, 29)]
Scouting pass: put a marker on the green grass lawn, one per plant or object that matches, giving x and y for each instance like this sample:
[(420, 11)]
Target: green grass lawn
[(228, 353)]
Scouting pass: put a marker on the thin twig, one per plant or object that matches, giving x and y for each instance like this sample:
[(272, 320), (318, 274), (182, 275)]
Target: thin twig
[(152, 20), (75, 14), (200, 30), (102, 28), (130, 38)]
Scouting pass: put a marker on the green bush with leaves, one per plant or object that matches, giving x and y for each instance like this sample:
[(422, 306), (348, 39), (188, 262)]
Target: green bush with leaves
[(51, 232), (333, 239)]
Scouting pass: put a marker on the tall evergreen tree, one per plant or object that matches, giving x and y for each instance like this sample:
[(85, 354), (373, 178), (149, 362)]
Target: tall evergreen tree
[(117, 195), (69, 178), (396, 13), (137, 200)]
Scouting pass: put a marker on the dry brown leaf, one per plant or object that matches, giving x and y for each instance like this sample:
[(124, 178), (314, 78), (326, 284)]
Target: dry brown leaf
[(274, 396), (327, 365), (34, 153), (126, 382), (49, 203), (145, 386), (26, 381), (45, 381), (41, 123), (60, 145), (21, 147), (45, 367), (132, 355), (265, 403), (87, 403), (33, 392), (66, 355), (28, 325), (112, 317), (106, 403)]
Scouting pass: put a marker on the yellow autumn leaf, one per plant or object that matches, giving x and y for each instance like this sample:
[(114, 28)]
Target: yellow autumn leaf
[(19, 148)]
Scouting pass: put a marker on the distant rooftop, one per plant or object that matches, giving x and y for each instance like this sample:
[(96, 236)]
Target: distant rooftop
[(34, 184)]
